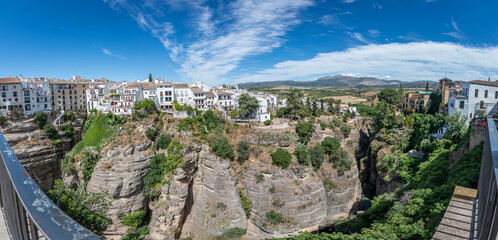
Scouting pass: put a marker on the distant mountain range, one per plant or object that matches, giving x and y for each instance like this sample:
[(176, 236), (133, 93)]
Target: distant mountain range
[(342, 81)]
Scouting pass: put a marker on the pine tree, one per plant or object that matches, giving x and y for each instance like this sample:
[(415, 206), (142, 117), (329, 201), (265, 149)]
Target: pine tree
[(150, 77), (427, 86)]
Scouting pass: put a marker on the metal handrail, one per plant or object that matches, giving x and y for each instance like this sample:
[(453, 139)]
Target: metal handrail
[(487, 192), (29, 213)]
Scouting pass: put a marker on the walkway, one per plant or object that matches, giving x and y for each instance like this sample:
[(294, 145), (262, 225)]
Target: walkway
[(456, 223), (3, 228)]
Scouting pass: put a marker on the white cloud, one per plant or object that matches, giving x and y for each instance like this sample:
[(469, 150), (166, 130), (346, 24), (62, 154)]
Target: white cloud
[(109, 53), (374, 32), (225, 38), (359, 37), (412, 37), (348, 1), (404, 61), (458, 34)]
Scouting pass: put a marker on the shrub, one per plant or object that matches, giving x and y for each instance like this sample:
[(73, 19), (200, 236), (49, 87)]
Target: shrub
[(267, 122), (274, 217), (235, 232), (136, 233), (330, 144), (152, 133), (303, 155), (89, 158), (341, 161), (272, 189), (221, 147), (281, 157), (246, 203), (154, 176), (243, 151), (259, 177), (221, 205), (329, 185), (50, 131), (345, 129), (305, 131), (41, 119), (88, 209), (163, 141), (316, 156), (68, 129), (278, 203), (133, 220)]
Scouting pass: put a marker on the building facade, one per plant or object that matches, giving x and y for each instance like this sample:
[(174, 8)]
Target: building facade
[(68, 96), (476, 98)]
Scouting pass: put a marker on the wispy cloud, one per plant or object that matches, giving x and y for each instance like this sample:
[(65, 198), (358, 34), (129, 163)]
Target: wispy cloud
[(377, 6), (334, 20), (374, 33), (225, 38), (458, 34), (359, 37), (109, 53), (348, 1), (404, 61), (412, 37)]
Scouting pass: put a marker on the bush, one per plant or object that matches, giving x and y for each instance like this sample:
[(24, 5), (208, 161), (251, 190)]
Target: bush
[(133, 220), (303, 155), (243, 151), (89, 158), (246, 203), (68, 129), (152, 133), (305, 131), (88, 209), (235, 232), (221, 205), (316, 156), (221, 147), (331, 144), (340, 159), (41, 119), (50, 131), (163, 141), (154, 176), (267, 122), (274, 217), (281, 157), (259, 177)]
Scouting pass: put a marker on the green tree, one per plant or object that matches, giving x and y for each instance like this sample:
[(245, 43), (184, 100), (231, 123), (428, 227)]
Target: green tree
[(41, 119), (458, 129), (401, 91), (247, 105), (331, 144), (303, 155), (281, 157), (390, 96), (295, 107), (164, 141), (234, 114), (147, 104), (427, 86), (89, 158), (150, 77), (243, 151), (88, 209), (152, 133), (435, 101), (221, 147), (305, 131), (50, 131), (316, 156)]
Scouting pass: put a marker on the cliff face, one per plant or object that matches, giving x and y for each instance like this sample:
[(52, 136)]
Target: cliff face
[(35, 151)]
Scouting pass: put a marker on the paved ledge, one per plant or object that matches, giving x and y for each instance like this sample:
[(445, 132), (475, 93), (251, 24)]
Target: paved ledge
[(456, 223)]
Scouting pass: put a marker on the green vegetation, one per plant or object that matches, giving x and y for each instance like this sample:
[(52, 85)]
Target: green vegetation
[(133, 220), (164, 141), (246, 203), (137, 222), (234, 114), (281, 157), (221, 206), (50, 131), (247, 105), (88, 158), (146, 105), (329, 185), (303, 155), (259, 177), (221, 147), (243, 151), (305, 131), (295, 107), (68, 129), (88, 209), (234, 233), (41, 119), (161, 167), (316, 156), (267, 122), (152, 133), (99, 129), (274, 218), (331, 144)]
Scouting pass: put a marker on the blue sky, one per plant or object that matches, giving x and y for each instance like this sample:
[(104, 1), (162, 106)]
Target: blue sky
[(249, 40)]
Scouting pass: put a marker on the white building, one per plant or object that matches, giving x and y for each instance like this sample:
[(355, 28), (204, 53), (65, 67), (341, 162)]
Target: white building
[(165, 95), (477, 97), (11, 99), (201, 86), (96, 95), (183, 94), (226, 101), (211, 100), (262, 114), (199, 98), (36, 95), (149, 91)]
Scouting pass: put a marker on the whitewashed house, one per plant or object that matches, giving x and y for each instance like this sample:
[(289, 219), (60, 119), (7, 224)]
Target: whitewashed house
[(183, 94), (477, 97), (262, 114), (199, 98), (11, 100), (165, 96), (226, 101)]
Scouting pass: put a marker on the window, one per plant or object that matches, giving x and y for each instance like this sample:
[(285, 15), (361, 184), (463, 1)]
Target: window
[(481, 105), (496, 94), (470, 115), (485, 93), (462, 104), (477, 93), (15, 94), (4, 94)]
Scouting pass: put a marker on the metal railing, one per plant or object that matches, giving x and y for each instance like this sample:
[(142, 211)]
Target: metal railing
[(487, 194), (28, 212)]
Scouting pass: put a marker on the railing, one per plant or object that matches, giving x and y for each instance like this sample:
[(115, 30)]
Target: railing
[(487, 192), (28, 212)]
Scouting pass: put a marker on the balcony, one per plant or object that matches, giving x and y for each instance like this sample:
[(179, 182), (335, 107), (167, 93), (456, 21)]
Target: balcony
[(472, 213), (27, 212)]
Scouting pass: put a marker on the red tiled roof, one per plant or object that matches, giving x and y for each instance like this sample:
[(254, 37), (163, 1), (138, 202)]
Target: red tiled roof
[(210, 95), (149, 86), (133, 86), (10, 81), (489, 83), (180, 85)]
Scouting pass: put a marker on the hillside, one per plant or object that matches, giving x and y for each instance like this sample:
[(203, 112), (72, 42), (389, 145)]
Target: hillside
[(341, 81)]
